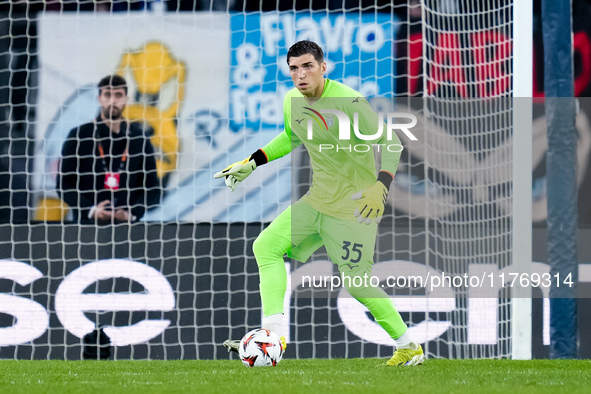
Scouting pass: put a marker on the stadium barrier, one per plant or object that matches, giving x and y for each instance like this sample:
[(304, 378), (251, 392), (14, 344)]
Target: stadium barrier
[(171, 291)]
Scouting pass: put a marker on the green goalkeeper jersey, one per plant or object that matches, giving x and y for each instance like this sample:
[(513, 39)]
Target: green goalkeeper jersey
[(341, 167)]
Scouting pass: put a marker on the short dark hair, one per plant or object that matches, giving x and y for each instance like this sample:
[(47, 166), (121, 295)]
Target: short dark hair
[(114, 82), (306, 47)]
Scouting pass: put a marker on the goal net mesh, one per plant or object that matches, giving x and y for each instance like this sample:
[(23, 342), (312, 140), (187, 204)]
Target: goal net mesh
[(206, 82)]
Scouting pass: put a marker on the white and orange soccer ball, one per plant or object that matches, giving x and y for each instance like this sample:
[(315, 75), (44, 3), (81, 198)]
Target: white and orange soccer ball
[(260, 348)]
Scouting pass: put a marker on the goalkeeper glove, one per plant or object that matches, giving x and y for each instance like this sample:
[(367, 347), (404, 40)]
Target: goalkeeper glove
[(237, 172), (370, 203)]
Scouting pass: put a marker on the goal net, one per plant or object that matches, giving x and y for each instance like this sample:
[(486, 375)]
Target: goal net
[(468, 164), (206, 81)]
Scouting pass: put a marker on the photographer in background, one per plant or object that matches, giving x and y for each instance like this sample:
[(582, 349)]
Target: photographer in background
[(108, 169)]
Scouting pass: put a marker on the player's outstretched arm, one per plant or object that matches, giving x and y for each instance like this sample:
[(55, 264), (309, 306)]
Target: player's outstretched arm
[(235, 173)]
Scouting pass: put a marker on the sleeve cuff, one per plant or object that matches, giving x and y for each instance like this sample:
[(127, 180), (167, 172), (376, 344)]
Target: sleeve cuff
[(259, 157), (386, 178)]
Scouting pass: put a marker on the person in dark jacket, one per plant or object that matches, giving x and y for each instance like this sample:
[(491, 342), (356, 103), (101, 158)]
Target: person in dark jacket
[(108, 169)]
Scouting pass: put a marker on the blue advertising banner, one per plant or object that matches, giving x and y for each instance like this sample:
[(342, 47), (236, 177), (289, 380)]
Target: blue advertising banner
[(359, 52)]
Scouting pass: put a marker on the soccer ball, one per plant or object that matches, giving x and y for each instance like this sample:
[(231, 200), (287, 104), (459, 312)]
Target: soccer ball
[(260, 348)]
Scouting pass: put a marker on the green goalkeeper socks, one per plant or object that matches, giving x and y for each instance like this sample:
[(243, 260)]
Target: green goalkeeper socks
[(386, 315), (382, 308), (268, 250)]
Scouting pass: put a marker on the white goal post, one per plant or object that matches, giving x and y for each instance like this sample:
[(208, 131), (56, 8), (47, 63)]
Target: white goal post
[(521, 330)]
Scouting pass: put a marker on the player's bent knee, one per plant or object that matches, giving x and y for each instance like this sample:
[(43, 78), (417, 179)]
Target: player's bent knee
[(269, 246)]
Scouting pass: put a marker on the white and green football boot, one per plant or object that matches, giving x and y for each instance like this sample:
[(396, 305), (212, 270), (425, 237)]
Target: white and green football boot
[(408, 357)]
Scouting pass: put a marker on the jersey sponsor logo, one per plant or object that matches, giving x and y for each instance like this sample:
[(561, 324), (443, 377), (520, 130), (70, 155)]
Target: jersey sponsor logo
[(318, 118)]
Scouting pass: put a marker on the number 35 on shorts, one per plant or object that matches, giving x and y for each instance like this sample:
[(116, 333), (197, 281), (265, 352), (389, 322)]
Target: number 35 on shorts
[(352, 252)]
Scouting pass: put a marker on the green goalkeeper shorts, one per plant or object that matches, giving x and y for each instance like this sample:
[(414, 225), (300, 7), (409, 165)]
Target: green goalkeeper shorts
[(349, 244)]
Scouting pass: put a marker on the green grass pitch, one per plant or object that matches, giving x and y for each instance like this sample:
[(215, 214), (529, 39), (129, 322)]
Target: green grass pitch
[(296, 376)]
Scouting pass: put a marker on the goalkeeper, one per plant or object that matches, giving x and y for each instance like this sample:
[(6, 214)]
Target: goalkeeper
[(343, 206)]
